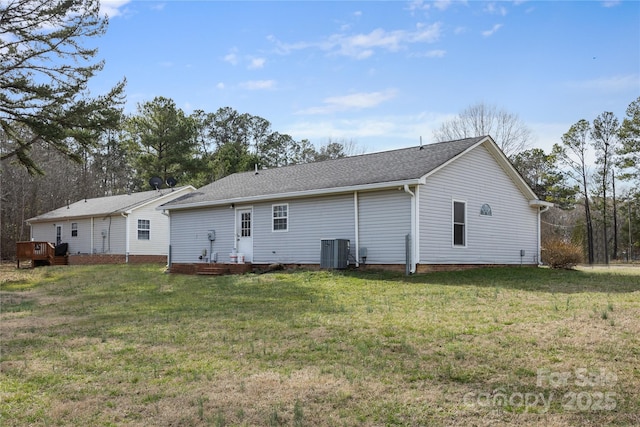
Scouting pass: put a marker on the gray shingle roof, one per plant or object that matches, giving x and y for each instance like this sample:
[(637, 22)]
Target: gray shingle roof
[(103, 205), (374, 168)]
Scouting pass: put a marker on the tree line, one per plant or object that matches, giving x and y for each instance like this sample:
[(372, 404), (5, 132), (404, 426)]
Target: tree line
[(59, 144), (159, 140)]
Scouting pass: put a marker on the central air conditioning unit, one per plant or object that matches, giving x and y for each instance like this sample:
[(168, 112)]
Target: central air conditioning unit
[(334, 253)]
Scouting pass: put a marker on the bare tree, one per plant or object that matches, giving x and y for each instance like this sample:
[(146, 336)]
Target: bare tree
[(604, 134), (506, 129), (573, 152)]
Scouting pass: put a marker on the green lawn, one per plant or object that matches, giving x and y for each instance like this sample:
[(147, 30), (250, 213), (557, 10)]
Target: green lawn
[(130, 345)]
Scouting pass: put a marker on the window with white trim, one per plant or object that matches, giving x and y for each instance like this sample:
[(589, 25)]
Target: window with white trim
[(144, 229), (74, 229), (280, 217), (459, 224)]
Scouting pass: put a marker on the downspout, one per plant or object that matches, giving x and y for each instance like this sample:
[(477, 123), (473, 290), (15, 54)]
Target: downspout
[(168, 215), (91, 240), (413, 228), (126, 237), (540, 212), (357, 226)]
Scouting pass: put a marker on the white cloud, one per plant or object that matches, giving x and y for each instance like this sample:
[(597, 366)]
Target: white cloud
[(609, 84), (112, 8), (354, 101), (231, 58), (362, 46), (256, 63), (442, 4), (382, 132), (418, 5), (341, 128), (492, 31), (258, 84), (220, 86), (436, 53), (495, 9), (611, 3)]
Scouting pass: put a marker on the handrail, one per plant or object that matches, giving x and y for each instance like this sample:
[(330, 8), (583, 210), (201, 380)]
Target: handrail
[(35, 251)]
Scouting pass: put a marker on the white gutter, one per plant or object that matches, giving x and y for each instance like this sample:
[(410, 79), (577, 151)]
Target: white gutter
[(126, 236), (293, 194), (91, 240), (413, 228), (540, 204), (357, 226)]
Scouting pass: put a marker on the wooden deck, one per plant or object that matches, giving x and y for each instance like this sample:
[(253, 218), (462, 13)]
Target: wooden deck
[(38, 253)]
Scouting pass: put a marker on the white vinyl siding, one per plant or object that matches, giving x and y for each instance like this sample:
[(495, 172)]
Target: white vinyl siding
[(81, 243), (157, 242), (46, 232), (189, 233), (477, 179), (109, 235), (384, 222), (108, 232), (43, 232), (309, 221)]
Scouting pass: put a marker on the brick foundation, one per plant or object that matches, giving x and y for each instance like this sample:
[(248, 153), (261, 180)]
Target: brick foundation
[(202, 267), (90, 259), (147, 259), (398, 268), (429, 268)]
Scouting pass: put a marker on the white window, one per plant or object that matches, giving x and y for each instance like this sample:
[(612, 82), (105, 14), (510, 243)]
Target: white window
[(280, 217), (143, 229), (74, 229), (459, 224)]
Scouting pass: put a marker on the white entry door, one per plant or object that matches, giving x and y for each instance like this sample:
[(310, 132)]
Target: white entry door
[(244, 233)]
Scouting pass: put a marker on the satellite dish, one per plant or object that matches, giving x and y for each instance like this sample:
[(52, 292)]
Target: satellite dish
[(155, 182), (171, 182)]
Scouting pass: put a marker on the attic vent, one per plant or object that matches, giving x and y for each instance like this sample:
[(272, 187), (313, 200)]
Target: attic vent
[(485, 210)]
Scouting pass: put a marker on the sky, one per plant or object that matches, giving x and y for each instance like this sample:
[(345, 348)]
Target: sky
[(381, 74)]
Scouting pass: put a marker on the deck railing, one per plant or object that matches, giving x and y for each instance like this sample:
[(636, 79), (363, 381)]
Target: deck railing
[(35, 251)]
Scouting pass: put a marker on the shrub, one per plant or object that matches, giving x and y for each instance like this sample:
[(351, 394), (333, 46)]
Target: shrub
[(558, 253)]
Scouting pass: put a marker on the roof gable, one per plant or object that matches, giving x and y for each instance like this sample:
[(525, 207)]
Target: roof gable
[(104, 206), (395, 166)]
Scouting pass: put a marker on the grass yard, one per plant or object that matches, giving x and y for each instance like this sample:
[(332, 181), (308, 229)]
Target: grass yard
[(129, 345)]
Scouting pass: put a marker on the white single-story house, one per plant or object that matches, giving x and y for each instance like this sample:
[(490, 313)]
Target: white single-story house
[(443, 205), (113, 229)]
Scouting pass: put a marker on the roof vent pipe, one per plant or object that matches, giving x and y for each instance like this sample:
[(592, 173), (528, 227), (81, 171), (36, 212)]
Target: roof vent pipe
[(421, 147)]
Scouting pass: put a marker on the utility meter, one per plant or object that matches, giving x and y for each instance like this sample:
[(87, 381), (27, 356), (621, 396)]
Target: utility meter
[(211, 235)]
